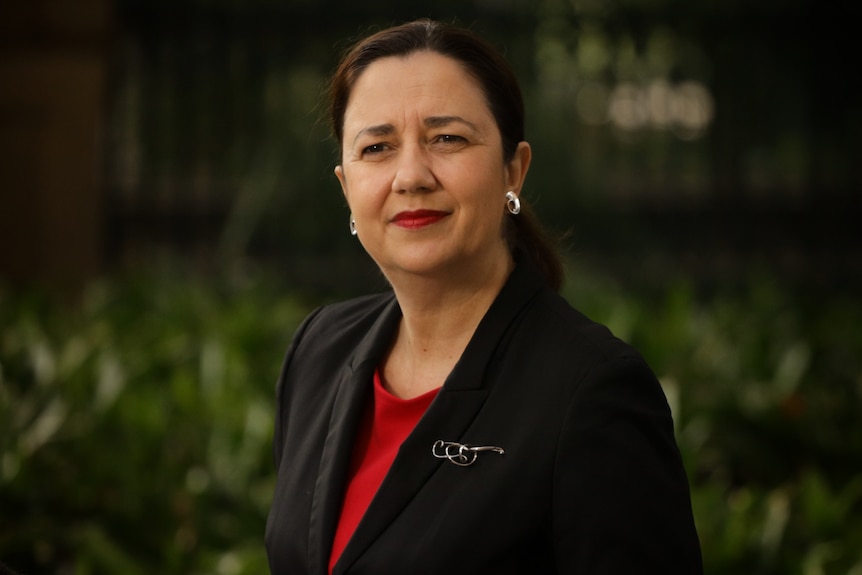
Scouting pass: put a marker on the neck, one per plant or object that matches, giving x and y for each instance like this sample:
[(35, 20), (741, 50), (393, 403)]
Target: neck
[(439, 318)]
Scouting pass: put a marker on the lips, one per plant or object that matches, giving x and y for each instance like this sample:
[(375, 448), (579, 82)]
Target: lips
[(416, 219)]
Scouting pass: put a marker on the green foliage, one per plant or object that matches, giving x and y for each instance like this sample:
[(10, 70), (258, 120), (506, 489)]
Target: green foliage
[(136, 431), (135, 427), (766, 388)]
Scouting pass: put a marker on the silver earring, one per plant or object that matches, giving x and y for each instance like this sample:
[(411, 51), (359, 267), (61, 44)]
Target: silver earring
[(352, 226), (513, 203)]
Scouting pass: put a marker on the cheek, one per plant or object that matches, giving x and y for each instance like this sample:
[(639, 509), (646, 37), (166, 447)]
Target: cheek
[(487, 192), (364, 192), (484, 216)]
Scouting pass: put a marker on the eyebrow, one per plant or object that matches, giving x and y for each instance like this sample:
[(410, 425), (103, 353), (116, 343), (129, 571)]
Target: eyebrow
[(430, 122), (379, 130), (440, 121)]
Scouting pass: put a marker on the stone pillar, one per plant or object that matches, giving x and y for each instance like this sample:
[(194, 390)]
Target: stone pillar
[(53, 68)]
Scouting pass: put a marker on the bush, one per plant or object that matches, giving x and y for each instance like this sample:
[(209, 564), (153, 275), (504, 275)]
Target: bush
[(766, 389), (135, 428), (136, 431)]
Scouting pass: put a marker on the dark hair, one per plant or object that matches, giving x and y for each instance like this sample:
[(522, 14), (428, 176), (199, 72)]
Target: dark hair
[(501, 90)]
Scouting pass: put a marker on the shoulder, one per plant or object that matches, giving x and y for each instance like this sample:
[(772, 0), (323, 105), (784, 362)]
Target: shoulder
[(567, 361), (552, 323), (324, 343), (541, 326), (356, 309), (331, 334), (583, 365), (603, 377), (346, 319)]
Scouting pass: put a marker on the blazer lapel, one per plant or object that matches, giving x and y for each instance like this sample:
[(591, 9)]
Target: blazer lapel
[(448, 418), (354, 390)]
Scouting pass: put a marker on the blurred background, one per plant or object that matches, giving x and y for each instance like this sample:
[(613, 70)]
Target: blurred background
[(168, 214)]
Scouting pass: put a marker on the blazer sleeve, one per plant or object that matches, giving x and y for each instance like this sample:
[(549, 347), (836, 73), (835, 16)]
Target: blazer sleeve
[(280, 408), (621, 496)]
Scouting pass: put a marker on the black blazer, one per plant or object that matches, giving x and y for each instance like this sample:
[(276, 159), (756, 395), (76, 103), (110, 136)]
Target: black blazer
[(591, 481)]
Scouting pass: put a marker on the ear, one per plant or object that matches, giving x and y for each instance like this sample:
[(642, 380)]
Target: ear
[(339, 173), (517, 167)]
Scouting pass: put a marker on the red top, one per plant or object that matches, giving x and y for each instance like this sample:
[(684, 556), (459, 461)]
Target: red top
[(379, 438)]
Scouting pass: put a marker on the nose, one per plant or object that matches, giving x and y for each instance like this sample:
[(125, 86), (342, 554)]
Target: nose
[(414, 171)]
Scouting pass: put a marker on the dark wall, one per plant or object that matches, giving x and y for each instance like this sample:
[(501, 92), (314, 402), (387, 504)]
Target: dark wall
[(53, 67), (214, 149)]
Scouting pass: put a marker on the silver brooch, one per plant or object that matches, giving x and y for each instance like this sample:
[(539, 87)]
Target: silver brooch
[(459, 453)]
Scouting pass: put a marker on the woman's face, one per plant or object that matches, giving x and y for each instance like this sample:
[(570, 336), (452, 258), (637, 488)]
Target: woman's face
[(422, 168)]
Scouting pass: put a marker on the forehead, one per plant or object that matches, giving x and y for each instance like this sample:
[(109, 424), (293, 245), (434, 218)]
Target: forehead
[(423, 83)]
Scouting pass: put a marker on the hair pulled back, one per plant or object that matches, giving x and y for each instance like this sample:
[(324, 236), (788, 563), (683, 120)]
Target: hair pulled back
[(502, 93)]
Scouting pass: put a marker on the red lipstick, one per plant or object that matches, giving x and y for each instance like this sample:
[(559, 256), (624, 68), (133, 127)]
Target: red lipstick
[(416, 219)]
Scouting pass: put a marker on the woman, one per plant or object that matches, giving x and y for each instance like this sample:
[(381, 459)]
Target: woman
[(469, 420)]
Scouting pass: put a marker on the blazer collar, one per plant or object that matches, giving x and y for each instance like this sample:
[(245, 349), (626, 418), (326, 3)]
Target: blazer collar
[(353, 391), (448, 418)]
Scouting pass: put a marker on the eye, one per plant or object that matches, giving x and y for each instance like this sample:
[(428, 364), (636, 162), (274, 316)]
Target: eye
[(450, 139), (449, 142), (374, 149)]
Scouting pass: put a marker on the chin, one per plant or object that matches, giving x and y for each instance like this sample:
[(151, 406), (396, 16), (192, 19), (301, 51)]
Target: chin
[(424, 265)]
